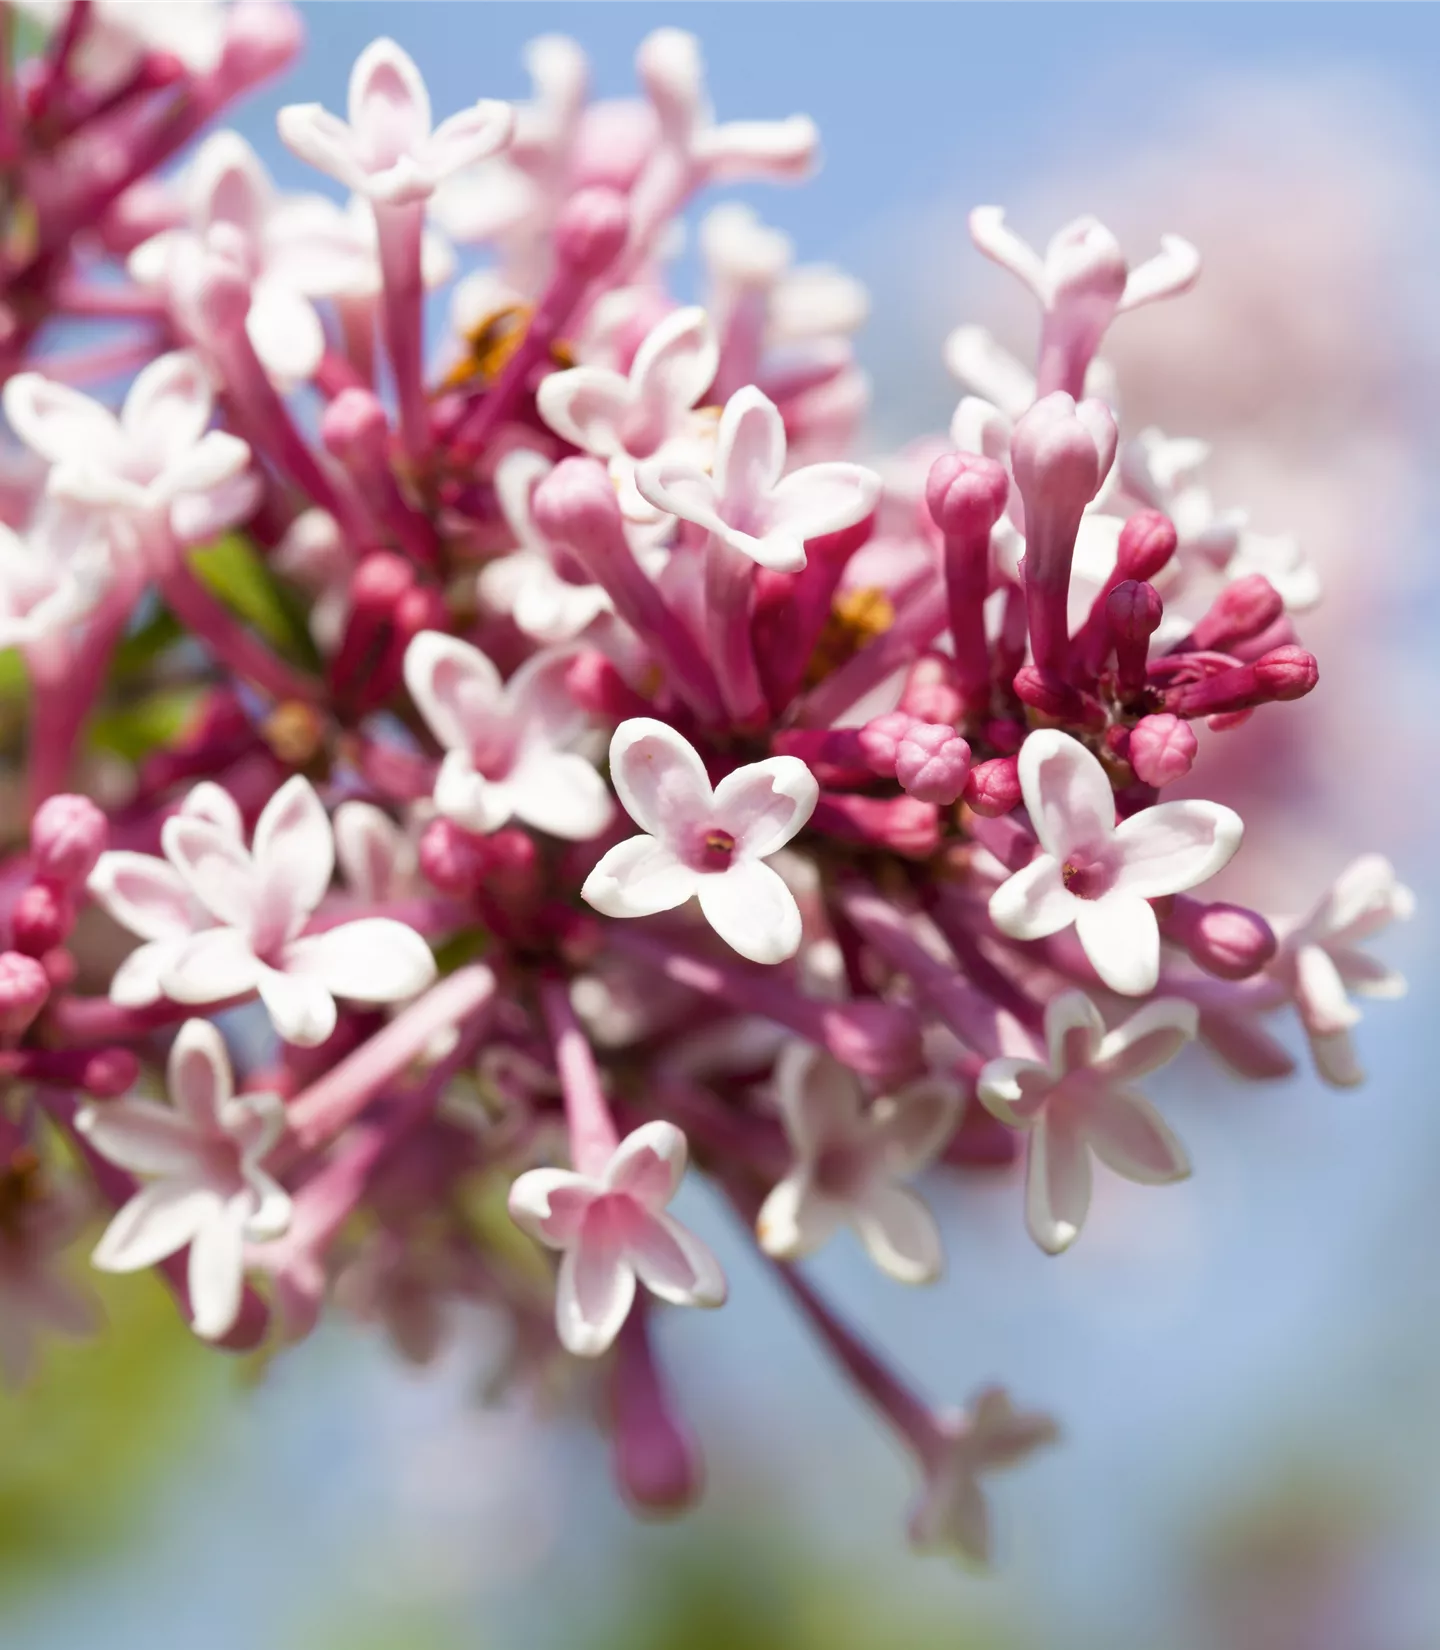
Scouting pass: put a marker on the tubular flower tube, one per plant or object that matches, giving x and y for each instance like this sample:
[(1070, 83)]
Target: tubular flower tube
[(588, 770)]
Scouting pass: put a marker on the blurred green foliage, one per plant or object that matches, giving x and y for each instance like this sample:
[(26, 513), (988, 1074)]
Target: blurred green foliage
[(236, 572), (99, 1430)]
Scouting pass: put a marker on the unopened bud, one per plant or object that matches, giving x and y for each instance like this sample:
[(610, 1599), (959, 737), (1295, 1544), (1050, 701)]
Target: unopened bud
[(453, 859), (1228, 941), (1241, 610), (1161, 749), (1287, 672), (41, 919), (1147, 542), (1134, 611), (355, 428), (1055, 699), (879, 741), (590, 230), (24, 991), (993, 787), (933, 763), (594, 683), (575, 505), (932, 692), (966, 494), (67, 835), (110, 1072)]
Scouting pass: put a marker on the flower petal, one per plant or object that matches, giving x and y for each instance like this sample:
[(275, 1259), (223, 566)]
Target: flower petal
[(212, 966), (216, 868), (144, 894), (823, 498), (143, 1137), (467, 138), (593, 1296), (1122, 940), (1174, 846), (1073, 1031), (137, 981), (560, 792), (324, 140), (1057, 1185), (1126, 1132), (388, 104), (1149, 1039), (1067, 794), (374, 960), (649, 1165), (168, 407), (455, 688), (749, 451), (158, 1220), (675, 1265), (751, 909), (284, 331), (899, 1233), (479, 804), (300, 1008), (915, 1124), (818, 1099), (1034, 903), (216, 1273), (764, 804), (1014, 1089), (676, 363), (376, 857), (660, 780), (294, 858), (550, 1205), (637, 878), (59, 423), (586, 406), (197, 1074)]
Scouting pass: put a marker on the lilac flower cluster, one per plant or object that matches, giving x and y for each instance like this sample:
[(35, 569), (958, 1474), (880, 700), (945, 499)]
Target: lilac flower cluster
[(646, 781)]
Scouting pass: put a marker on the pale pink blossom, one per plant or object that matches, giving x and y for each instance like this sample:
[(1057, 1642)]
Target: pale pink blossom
[(613, 1229), (202, 1160), (708, 842), (746, 499), (647, 413), (989, 1436), (1321, 963), (119, 34), (506, 742), (1098, 875), (1077, 1102), (851, 1165), (53, 574), (377, 857), (261, 900), (390, 151)]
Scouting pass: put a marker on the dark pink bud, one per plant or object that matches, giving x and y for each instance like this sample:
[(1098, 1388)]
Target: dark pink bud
[(24, 991), (1240, 611), (966, 494), (993, 787), (657, 1464), (1045, 692), (1283, 673), (1147, 542), (593, 682), (590, 230), (933, 763), (1286, 673), (576, 505), (67, 835), (932, 692), (1161, 749), (380, 580), (41, 919), (879, 741), (355, 428), (1228, 941), (109, 1072), (879, 1040), (902, 824), (452, 859), (60, 968), (1134, 610)]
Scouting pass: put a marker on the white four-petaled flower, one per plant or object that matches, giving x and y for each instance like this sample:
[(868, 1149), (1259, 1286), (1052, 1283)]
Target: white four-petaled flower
[(1320, 961), (747, 500), (505, 741), (390, 150), (851, 1162), (711, 843), (1100, 875), (613, 1229), (1077, 1103), (203, 1158)]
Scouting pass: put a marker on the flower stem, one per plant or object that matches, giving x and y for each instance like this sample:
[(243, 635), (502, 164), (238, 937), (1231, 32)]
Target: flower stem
[(593, 1136)]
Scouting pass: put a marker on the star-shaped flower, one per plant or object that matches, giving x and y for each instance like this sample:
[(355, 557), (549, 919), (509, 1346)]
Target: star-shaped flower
[(390, 150), (989, 1436), (613, 1230), (1321, 963), (711, 843), (53, 574), (202, 1157), (261, 900), (1077, 1103), (1100, 875), (506, 742), (747, 500), (645, 414), (850, 1165)]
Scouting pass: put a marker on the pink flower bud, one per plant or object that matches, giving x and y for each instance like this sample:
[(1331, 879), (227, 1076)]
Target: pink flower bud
[(1054, 698), (1161, 749), (657, 1465), (109, 1073), (878, 1040), (597, 687), (41, 919), (1134, 611), (1283, 673), (1241, 610), (903, 824), (1147, 542), (1286, 673), (932, 693), (67, 835), (380, 580), (575, 505), (61, 968), (993, 787), (1228, 941), (933, 763), (590, 230), (24, 991), (966, 494), (879, 741), (355, 428), (453, 859)]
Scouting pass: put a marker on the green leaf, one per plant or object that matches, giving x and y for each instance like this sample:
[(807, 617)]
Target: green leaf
[(156, 634), (233, 570), (133, 730)]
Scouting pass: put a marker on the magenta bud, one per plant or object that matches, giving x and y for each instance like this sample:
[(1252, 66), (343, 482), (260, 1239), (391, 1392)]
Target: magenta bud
[(41, 919), (1286, 673), (594, 683), (1228, 941), (933, 763), (61, 968), (993, 787), (576, 505), (878, 1040), (1161, 749), (24, 991), (1055, 699), (966, 494), (1147, 542), (110, 1072), (452, 858), (590, 230), (1134, 611), (901, 824), (355, 428), (67, 835), (932, 692), (380, 580), (657, 1464), (1241, 610), (879, 741)]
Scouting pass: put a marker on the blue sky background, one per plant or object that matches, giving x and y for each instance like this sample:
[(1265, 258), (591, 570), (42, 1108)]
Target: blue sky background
[(1274, 1320)]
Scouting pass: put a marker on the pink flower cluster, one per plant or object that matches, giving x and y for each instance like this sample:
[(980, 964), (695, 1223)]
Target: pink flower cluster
[(646, 781)]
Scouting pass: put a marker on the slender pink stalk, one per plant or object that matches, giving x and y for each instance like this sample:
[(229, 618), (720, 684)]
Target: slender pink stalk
[(400, 230), (921, 619), (729, 588), (593, 1136), (232, 642)]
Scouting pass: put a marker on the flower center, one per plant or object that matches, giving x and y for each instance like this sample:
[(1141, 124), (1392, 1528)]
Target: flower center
[(1085, 877), (717, 848)]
